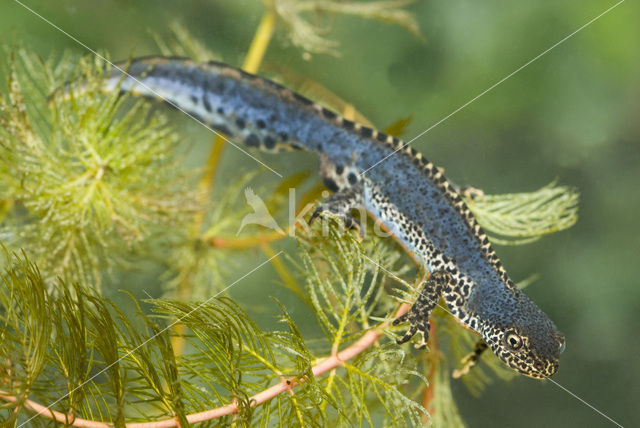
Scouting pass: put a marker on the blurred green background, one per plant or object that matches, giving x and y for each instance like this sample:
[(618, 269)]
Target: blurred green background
[(572, 115)]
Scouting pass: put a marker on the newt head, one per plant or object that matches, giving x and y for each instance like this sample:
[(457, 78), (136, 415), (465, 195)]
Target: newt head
[(525, 339)]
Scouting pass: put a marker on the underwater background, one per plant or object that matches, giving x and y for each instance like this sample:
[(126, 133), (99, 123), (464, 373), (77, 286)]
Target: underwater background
[(573, 115)]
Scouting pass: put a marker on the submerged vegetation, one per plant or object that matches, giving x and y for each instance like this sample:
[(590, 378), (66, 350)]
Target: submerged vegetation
[(92, 183), (87, 176)]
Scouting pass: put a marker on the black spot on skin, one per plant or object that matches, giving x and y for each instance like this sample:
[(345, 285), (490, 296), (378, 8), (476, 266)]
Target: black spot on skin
[(330, 184), (159, 72), (194, 99), (240, 123), (328, 113), (260, 124), (353, 178), (247, 75), (283, 136), (273, 84), (366, 132), (304, 100), (205, 87), (396, 141), (382, 137), (339, 169), (222, 128), (220, 111), (207, 104), (252, 140), (269, 142), (167, 103), (347, 124)]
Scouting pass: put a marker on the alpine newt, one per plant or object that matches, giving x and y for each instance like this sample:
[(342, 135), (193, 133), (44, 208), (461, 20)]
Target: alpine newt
[(408, 194)]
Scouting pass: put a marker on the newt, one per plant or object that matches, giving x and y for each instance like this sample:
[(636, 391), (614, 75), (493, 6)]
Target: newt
[(409, 195)]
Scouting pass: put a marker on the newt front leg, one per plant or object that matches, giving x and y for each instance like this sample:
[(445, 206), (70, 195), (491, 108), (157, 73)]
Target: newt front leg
[(418, 315), (340, 204)]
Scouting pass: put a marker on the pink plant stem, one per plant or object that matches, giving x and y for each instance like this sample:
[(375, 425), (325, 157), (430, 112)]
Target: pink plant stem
[(52, 414), (330, 363)]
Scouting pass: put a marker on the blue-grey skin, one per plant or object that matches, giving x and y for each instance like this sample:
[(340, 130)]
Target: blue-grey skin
[(408, 194)]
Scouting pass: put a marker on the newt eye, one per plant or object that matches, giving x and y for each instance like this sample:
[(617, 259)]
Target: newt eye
[(513, 341)]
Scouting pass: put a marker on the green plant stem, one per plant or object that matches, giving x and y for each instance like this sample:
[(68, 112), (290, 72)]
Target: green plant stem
[(252, 62)]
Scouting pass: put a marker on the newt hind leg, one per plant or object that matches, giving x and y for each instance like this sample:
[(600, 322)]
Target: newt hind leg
[(470, 360), (418, 315)]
